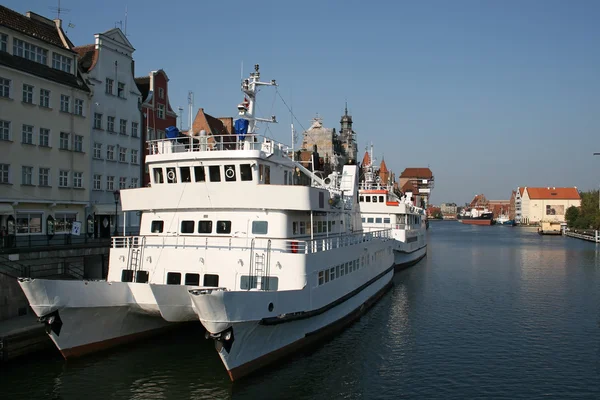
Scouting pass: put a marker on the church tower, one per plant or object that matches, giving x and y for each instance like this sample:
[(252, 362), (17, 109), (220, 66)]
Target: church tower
[(348, 137)]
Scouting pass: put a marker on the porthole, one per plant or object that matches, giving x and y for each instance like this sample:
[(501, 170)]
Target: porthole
[(271, 306)]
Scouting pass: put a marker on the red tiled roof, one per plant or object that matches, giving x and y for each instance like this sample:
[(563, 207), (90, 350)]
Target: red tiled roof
[(383, 167), (553, 193), (521, 191), (408, 187), (416, 173), (88, 56), (35, 26), (366, 159)]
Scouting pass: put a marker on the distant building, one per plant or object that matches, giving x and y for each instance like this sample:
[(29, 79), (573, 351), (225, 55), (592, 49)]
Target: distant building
[(518, 204), (218, 131), (548, 204), (512, 205), (420, 182), (449, 210), (499, 207)]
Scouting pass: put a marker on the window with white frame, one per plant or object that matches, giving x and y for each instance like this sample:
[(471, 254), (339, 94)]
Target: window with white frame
[(29, 223), (110, 183), (64, 141), (77, 179), (97, 121), (109, 86), (161, 111), (78, 143), (63, 178), (97, 182), (27, 134), (3, 42), (27, 94), (4, 87), (43, 176), (4, 130), (61, 62), (151, 135), (134, 156), (26, 175), (121, 90), (4, 173), (30, 51), (44, 137), (134, 129), (122, 154), (63, 222), (65, 103), (78, 107), (123, 127), (44, 98), (110, 124), (134, 182), (110, 152), (122, 182), (161, 93), (98, 151)]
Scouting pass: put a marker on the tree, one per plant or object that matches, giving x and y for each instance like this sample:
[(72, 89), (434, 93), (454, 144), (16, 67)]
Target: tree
[(571, 216)]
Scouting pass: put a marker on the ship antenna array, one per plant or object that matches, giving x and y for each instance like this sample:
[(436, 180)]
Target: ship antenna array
[(191, 110)]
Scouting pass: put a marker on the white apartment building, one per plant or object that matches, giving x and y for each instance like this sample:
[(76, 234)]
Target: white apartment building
[(115, 123), (44, 128)]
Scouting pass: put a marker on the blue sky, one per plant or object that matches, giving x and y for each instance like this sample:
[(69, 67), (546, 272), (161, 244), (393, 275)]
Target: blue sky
[(490, 95)]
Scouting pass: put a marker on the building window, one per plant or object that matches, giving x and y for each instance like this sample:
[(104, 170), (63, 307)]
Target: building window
[(3, 42), (121, 90), (4, 87), (77, 179), (61, 62), (134, 182), (122, 154), (109, 86), (122, 182), (64, 141), (97, 182), (27, 94), (64, 222), (44, 137), (4, 173), (161, 111), (44, 98), (78, 143), (123, 127), (97, 121), (4, 130), (110, 152), (110, 183), (28, 223), (27, 134), (30, 51), (98, 151), (44, 176), (161, 93), (65, 101), (110, 124), (134, 129), (78, 107), (26, 175), (134, 156), (63, 178)]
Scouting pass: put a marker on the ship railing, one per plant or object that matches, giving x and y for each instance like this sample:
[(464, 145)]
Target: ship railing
[(374, 186), (188, 144), (245, 244)]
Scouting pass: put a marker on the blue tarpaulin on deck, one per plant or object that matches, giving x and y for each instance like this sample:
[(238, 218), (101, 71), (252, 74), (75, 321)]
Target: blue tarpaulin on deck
[(172, 132), (241, 128)]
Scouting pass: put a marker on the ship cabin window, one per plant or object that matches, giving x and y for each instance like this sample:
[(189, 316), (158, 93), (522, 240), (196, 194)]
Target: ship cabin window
[(386, 221), (374, 199), (187, 226), (173, 278), (127, 275), (185, 174), (199, 175), (141, 276), (294, 228), (285, 177), (264, 172), (267, 175), (361, 199), (158, 175), (223, 227), (211, 280), (321, 200), (171, 175), (204, 226), (302, 228), (370, 220), (381, 199), (260, 227), (230, 173), (364, 219), (192, 279), (368, 199), (377, 220), (157, 226), (214, 171), (245, 172)]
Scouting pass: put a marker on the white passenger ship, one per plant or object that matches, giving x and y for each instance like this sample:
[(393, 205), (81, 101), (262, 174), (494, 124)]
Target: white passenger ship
[(381, 208)]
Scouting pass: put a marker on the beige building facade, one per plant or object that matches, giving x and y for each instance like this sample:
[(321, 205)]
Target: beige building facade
[(547, 204)]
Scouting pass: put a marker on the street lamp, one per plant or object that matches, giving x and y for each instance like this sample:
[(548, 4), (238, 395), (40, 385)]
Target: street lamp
[(117, 195)]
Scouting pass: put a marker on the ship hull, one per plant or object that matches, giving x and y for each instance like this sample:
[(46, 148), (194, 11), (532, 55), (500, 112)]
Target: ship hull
[(404, 260), (476, 221), (84, 317)]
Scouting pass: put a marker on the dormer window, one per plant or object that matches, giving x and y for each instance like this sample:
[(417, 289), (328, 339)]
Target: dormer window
[(161, 93), (30, 51), (62, 63), (3, 42)]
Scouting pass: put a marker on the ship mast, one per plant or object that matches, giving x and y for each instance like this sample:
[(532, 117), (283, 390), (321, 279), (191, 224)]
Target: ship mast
[(246, 109)]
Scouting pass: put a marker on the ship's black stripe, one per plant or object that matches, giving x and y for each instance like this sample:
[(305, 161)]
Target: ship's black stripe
[(410, 252)]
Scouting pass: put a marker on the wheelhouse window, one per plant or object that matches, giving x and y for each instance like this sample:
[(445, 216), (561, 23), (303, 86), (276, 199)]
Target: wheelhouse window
[(158, 175), (267, 175), (187, 226), (368, 199), (223, 227), (377, 220), (214, 171), (245, 172), (173, 278), (374, 199), (361, 199), (381, 199), (157, 226), (199, 175), (185, 174), (171, 175), (204, 226), (370, 220), (211, 280), (386, 221), (230, 173), (192, 279), (260, 227)]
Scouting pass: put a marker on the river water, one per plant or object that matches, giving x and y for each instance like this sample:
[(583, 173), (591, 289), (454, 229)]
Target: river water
[(492, 312)]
